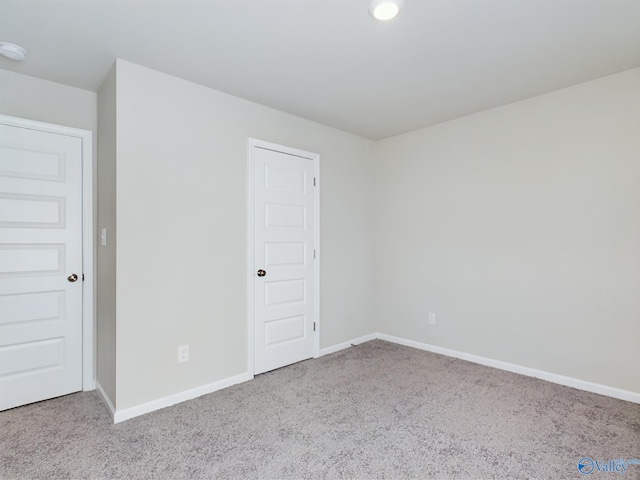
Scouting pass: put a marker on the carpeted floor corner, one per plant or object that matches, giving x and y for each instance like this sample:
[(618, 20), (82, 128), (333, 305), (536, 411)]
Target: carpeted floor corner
[(379, 410)]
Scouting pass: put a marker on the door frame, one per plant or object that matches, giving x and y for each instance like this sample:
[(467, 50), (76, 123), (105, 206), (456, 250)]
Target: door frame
[(252, 143), (88, 307)]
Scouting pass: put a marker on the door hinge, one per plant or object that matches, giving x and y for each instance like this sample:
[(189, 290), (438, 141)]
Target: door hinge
[(83, 277), (314, 326), (314, 181)]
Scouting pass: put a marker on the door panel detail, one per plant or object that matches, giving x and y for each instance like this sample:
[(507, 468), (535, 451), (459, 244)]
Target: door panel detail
[(41, 244), (283, 246)]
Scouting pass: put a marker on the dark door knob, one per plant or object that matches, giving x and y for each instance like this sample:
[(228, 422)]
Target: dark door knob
[(261, 273), (72, 278)]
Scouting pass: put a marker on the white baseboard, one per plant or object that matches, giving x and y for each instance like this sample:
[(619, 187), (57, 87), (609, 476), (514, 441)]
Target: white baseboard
[(127, 413), (106, 398), (343, 345), (511, 367)]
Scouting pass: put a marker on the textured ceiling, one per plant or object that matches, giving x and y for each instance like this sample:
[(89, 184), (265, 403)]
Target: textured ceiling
[(328, 60)]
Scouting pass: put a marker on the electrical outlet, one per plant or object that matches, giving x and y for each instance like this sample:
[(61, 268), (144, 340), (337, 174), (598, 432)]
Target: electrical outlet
[(432, 318), (183, 353)]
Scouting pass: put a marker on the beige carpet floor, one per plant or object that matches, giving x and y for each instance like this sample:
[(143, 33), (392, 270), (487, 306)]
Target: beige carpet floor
[(378, 410)]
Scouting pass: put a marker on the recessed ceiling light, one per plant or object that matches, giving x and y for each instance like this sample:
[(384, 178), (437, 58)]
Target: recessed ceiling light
[(12, 51), (385, 9)]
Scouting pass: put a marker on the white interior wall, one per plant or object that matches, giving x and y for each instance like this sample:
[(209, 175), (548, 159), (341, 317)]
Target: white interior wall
[(106, 255), (517, 226), (520, 228), (36, 99), (181, 219)]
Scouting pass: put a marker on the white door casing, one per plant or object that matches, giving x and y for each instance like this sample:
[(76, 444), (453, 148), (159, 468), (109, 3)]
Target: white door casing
[(283, 242), (46, 326)]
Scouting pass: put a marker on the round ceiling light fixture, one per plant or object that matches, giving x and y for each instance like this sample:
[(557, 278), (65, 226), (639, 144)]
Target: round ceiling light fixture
[(385, 9), (12, 51)]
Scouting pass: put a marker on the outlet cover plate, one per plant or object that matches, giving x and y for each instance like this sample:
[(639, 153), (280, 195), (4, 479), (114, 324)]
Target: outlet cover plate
[(183, 353)]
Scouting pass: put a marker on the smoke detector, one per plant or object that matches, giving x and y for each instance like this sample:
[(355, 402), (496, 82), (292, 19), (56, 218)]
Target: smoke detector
[(12, 51)]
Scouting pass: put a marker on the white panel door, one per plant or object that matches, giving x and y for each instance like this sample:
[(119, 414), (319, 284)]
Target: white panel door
[(40, 252), (283, 259)]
